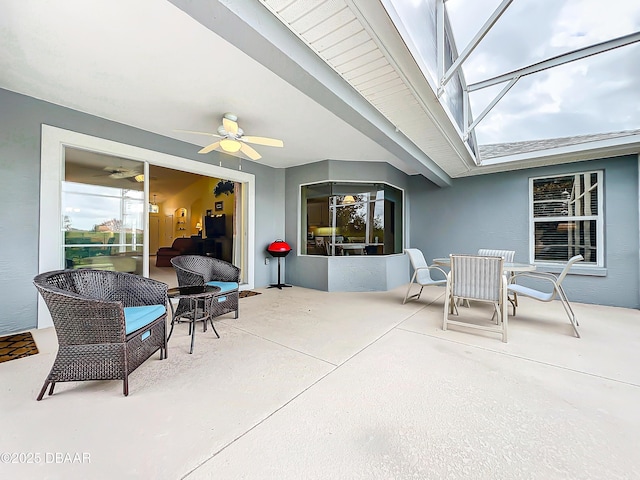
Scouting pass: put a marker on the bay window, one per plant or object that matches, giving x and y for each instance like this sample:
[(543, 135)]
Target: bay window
[(340, 219)]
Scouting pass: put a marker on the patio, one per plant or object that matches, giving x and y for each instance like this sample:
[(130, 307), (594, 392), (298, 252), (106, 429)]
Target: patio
[(310, 384)]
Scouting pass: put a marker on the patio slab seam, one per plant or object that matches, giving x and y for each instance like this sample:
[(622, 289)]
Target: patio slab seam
[(278, 343), (396, 325), (336, 367), (253, 427)]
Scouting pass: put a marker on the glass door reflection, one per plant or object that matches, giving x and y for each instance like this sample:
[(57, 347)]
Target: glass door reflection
[(103, 213)]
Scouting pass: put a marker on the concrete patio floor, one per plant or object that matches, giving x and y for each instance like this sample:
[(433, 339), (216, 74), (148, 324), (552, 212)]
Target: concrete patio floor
[(315, 385)]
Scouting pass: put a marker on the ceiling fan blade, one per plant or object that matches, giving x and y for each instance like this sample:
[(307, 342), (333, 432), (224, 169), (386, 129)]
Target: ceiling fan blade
[(250, 152), (230, 126), (211, 147), (199, 133), (121, 175), (269, 142)]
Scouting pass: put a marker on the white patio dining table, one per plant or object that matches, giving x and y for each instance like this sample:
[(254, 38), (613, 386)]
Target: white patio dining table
[(508, 266)]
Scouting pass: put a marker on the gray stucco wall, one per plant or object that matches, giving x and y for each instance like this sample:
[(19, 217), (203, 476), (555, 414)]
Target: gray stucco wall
[(20, 129), (484, 211), (341, 273), (491, 211)]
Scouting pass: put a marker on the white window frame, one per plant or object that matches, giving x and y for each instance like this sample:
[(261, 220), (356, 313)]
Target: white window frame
[(599, 218)]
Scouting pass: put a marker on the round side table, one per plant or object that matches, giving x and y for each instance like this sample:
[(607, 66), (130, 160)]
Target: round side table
[(199, 296)]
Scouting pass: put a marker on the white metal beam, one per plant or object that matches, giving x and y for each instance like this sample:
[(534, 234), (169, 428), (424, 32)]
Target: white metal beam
[(559, 60), (502, 93), (440, 35), (471, 46)]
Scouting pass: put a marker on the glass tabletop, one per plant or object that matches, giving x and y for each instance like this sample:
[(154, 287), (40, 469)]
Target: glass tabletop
[(508, 266), (192, 291)]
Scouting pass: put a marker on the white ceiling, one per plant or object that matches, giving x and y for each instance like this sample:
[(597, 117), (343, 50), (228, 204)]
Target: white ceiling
[(149, 65)]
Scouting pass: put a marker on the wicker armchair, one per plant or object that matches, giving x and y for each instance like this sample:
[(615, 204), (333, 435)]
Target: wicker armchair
[(108, 323), (201, 270)]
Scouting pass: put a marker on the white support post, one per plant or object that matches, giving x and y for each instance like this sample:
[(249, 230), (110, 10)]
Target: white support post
[(466, 109)]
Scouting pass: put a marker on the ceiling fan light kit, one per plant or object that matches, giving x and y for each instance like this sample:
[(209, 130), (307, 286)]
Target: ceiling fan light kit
[(229, 145), (233, 139)]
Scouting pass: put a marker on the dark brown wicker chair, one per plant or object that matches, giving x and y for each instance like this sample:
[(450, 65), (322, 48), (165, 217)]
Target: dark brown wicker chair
[(88, 312), (201, 270)]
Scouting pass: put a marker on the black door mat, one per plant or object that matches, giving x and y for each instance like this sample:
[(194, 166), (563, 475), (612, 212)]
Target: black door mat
[(17, 346)]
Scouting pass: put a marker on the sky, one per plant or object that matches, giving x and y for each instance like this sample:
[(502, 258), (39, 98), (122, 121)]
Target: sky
[(89, 205), (594, 95)]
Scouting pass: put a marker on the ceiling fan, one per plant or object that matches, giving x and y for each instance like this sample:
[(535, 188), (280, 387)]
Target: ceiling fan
[(233, 139), (123, 173)]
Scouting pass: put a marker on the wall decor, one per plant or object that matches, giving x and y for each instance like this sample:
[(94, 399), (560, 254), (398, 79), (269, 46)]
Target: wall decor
[(218, 206)]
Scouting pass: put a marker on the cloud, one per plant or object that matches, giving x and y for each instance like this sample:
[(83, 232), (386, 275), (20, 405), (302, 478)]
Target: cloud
[(584, 22), (593, 95)]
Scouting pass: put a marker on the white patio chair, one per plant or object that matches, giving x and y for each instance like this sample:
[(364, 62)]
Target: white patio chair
[(481, 278), (556, 289), (508, 256), (421, 273)]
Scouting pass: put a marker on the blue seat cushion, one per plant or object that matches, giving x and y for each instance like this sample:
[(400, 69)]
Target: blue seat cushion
[(137, 317), (224, 286)]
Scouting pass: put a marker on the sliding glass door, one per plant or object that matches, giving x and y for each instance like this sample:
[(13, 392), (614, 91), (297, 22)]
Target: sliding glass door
[(102, 208), (58, 161)]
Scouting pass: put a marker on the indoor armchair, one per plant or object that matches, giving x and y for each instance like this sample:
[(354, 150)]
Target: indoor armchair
[(180, 246)]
